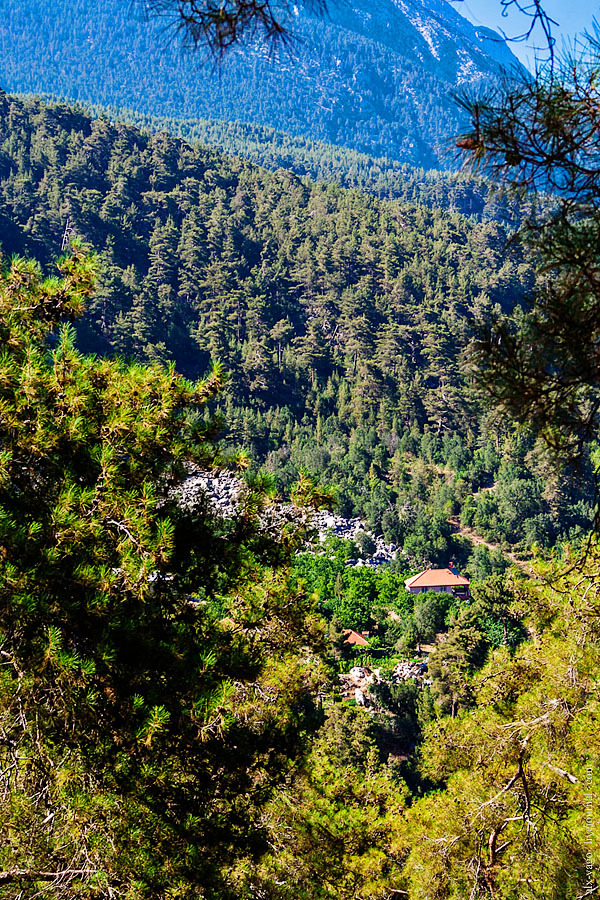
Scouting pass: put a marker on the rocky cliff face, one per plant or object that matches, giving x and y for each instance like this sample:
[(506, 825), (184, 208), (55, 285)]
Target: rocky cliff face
[(429, 33)]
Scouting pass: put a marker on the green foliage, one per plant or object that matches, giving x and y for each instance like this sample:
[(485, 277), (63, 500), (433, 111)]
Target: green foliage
[(510, 820), (430, 613), (338, 833), (159, 667), (499, 808), (337, 317), (307, 494), (353, 596), (142, 731), (365, 544), (492, 618), (401, 704), (485, 562), (319, 161), (540, 136)]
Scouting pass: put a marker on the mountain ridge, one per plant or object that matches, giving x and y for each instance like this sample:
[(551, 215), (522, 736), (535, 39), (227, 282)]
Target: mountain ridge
[(340, 83), (433, 21)]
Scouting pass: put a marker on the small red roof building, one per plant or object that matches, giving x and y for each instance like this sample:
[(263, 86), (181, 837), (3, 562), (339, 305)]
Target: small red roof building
[(439, 580), (354, 638)]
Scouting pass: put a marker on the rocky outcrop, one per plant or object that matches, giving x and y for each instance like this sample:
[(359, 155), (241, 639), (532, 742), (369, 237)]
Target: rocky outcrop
[(326, 523), (220, 492), (223, 493), (355, 684), (409, 669)]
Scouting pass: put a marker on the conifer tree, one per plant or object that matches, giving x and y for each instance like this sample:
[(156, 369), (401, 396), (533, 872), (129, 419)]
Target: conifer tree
[(152, 690)]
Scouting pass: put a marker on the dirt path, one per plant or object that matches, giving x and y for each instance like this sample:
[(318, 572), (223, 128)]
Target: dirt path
[(476, 539)]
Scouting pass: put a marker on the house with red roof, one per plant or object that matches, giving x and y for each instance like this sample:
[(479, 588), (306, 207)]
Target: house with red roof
[(354, 638), (439, 580)]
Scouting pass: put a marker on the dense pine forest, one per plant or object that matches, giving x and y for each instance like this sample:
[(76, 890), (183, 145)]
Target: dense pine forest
[(340, 165), (339, 318), (181, 715), (171, 716)]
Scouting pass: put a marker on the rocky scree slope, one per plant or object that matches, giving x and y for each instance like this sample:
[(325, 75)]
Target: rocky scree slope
[(222, 493)]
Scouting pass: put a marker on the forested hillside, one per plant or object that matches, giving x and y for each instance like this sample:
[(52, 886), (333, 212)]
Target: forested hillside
[(319, 161), (377, 78), (172, 716), (197, 354), (137, 637), (339, 318)]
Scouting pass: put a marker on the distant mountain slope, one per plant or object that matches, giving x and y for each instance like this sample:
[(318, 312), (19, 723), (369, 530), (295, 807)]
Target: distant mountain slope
[(376, 75)]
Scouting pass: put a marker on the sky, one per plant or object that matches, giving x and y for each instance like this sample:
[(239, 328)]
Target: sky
[(572, 16)]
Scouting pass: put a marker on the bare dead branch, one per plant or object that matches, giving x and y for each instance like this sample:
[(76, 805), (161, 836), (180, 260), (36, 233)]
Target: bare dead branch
[(12, 875)]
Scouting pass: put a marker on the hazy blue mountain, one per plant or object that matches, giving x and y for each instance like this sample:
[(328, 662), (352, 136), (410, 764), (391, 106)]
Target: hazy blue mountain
[(375, 75)]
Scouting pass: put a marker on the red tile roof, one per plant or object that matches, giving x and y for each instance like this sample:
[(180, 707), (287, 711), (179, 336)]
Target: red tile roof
[(353, 637), (437, 578)]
